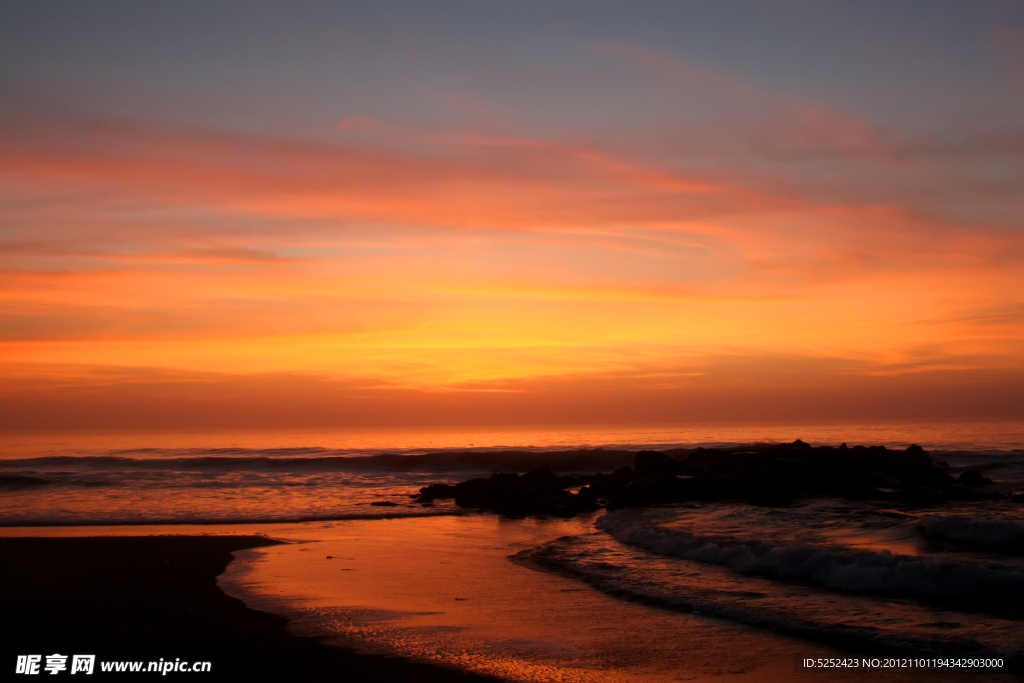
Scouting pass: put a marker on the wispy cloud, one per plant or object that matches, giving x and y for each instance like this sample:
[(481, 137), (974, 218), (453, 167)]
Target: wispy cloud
[(775, 245)]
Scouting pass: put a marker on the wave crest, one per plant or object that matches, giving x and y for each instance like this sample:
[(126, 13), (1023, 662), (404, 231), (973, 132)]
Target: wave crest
[(851, 571)]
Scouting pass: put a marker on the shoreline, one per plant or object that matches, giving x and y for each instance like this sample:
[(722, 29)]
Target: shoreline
[(146, 598)]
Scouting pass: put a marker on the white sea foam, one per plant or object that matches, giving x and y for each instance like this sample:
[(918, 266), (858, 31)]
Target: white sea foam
[(852, 622), (849, 570)]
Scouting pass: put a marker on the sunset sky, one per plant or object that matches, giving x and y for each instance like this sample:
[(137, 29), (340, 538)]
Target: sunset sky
[(315, 214)]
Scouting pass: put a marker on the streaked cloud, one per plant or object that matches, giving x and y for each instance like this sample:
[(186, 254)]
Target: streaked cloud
[(426, 248)]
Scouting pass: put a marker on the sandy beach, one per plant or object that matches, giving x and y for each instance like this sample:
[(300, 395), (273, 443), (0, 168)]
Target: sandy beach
[(424, 599), (155, 597)]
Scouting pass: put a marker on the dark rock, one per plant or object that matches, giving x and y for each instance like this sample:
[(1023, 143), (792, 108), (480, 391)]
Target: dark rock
[(761, 474), (703, 460), (540, 477), (915, 450), (660, 491), (623, 475), (434, 492), (505, 479), (974, 478), (538, 492), (474, 491), (384, 503), (585, 500), (656, 464), (611, 485)]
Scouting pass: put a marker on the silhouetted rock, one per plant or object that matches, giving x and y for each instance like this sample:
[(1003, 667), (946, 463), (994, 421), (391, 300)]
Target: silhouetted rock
[(655, 464), (608, 486), (761, 474), (586, 499), (659, 491), (384, 503), (974, 478), (541, 477), (435, 492), (623, 475), (538, 492)]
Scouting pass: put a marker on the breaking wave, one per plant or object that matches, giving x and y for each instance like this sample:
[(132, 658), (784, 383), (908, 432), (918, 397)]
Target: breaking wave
[(842, 569), (320, 459), (855, 627)]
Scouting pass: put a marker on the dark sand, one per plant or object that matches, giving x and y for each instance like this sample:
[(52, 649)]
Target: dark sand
[(152, 597)]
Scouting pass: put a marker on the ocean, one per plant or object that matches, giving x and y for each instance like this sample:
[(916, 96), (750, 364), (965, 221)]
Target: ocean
[(705, 589)]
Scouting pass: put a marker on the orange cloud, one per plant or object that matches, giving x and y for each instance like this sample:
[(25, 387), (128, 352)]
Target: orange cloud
[(421, 264)]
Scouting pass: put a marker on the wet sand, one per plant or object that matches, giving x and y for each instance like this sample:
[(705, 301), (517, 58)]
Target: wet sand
[(152, 597), (450, 590), (388, 594)]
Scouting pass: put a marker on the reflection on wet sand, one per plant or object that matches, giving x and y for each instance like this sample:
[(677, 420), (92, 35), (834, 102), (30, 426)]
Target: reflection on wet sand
[(444, 590)]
